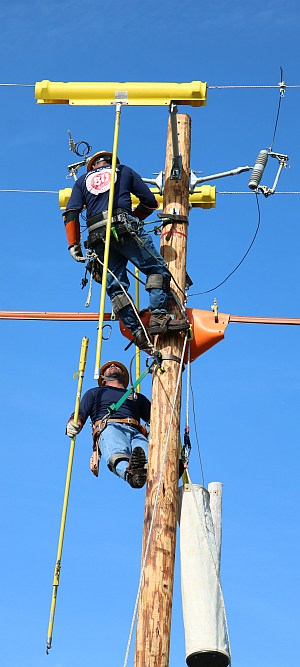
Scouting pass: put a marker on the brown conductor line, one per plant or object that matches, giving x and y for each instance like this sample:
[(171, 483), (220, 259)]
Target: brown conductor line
[(155, 604)]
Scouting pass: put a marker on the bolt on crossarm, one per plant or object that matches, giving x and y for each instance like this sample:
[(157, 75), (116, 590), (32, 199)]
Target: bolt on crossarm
[(80, 373), (155, 605)]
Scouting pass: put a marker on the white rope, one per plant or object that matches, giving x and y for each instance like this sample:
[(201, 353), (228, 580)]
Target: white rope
[(155, 506), (94, 254), (216, 568)]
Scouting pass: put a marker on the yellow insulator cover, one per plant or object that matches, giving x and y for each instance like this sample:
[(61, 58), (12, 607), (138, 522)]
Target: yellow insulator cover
[(204, 197), (133, 93)]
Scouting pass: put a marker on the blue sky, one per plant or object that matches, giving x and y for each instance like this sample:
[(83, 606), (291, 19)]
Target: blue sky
[(246, 389)]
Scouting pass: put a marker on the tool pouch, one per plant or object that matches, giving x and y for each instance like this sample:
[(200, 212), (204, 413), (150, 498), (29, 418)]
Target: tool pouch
[(142, 429), (95, 459)]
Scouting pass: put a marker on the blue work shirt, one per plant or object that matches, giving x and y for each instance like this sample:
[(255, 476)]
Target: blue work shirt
[(92, 190), (96, 401)]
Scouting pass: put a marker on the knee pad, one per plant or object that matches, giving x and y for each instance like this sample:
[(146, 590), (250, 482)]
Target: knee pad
[(158, 281), (115, 459), (119, 301)]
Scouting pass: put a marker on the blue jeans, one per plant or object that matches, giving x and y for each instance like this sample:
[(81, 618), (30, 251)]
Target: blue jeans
[(130, 250), (121, 438)]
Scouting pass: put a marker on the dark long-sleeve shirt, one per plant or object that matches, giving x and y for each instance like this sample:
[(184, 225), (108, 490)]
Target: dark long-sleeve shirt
[(96, 401), (92, 190)]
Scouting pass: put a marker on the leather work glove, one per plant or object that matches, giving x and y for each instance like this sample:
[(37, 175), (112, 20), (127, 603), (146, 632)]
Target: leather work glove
[(73, 428), (76, 252)]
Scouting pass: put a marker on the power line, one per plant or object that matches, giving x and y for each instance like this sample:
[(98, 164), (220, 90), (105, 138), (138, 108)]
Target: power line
[(212, 289), (278, 85), (229, 87), (23, 85), (219, 192)]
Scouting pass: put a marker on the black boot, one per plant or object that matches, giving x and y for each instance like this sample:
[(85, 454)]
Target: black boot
[(136, 472), (162, 323)]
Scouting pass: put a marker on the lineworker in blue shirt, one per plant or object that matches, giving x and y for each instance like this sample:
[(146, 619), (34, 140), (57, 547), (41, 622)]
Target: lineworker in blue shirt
[(92, 190), (122, 438)]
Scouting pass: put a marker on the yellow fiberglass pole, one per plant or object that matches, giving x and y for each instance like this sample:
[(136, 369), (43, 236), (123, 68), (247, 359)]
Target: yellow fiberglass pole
[(137, 349), (107, 241), (80, 373)]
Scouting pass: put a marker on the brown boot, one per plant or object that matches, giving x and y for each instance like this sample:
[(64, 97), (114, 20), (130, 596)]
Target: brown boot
[(162, 323), (140, 340)]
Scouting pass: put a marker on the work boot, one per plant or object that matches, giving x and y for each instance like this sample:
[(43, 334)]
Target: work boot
[(162, 323), (140, 340), (136, 472)]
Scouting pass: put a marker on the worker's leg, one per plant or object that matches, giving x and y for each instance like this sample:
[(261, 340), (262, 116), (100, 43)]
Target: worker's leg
[(148, 263), (152, 264), (115, 443), (117, 263)]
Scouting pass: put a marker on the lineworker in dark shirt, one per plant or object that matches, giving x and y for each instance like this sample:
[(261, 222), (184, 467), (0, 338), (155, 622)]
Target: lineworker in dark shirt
[(122, 444), (92, 190)]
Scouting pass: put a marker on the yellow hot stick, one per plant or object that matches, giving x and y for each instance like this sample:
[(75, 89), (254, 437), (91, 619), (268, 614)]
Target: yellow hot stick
[(137, 349), (80, 373), (107, 242)]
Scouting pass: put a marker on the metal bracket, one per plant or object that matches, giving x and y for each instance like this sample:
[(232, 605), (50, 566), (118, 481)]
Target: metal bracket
[(282, 159), (203, 179), (176, 170), (73, 168), (171, 217), (215, 309), (158, 182)]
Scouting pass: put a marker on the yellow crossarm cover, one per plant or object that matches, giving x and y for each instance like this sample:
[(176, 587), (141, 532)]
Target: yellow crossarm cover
[(203, 197), (129, 93)]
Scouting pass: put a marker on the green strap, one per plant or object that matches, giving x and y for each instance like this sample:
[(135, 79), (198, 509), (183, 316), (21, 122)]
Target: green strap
[(115, 406)]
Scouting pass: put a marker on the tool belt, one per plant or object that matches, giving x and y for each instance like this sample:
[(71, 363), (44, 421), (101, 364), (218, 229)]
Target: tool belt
[(101, 424), (98, 427), (122, 222)]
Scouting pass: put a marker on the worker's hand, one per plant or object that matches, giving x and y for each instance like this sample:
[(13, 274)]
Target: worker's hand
[(73, 428), (76, 252)]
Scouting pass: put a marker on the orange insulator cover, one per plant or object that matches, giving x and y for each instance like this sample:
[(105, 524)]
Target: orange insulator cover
[(206, 332)]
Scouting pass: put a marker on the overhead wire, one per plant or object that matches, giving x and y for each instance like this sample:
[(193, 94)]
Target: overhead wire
[(220, 87), (281, 94), (240, 262)]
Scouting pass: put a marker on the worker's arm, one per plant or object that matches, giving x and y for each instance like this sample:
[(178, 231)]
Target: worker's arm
[(145, 407), (148, 203), (85, 411), (71, 220)]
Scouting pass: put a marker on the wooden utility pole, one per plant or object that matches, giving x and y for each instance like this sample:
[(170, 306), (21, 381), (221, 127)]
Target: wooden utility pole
[(155, 605)]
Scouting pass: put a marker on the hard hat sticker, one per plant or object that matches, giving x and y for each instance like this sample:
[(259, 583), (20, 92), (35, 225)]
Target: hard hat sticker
[(98, 182)]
